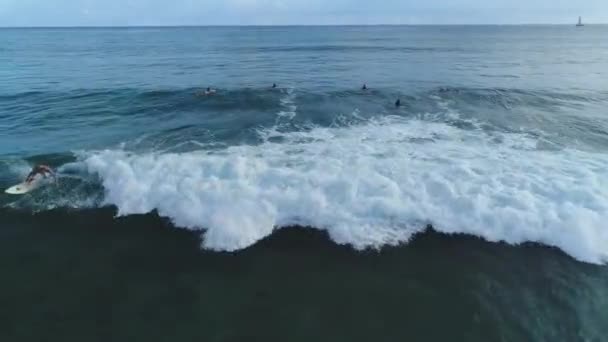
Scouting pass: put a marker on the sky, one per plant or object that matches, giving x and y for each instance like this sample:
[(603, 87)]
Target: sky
[(296, 12)]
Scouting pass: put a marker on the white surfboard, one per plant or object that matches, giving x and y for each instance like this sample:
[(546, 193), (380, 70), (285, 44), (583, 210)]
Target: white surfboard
[(24, 188)]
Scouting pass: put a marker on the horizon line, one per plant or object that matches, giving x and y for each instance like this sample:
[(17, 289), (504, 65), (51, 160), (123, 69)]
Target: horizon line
[(284, 25)]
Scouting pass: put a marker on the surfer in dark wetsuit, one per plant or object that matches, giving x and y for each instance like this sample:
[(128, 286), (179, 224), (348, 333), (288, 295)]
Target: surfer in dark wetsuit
[(43, 170), (398, 103), (364, 87), (274, 85)]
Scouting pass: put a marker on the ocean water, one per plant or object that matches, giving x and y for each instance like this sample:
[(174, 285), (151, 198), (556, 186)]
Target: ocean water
[(315, 210)]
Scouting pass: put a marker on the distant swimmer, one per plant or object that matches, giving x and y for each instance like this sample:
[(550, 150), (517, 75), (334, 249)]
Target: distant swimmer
[(398, 103), (364, 87), (42, 170), (274, 85), (207, 92)]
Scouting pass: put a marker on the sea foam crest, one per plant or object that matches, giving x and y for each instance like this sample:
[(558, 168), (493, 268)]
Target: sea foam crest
[(371, 185)]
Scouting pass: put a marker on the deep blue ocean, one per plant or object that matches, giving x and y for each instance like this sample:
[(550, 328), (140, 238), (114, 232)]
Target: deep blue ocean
[(314, 210)]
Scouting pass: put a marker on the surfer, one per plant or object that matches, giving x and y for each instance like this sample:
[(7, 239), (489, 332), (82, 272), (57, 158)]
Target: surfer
[(207, 92), (43, 170), (274, 85), (398, 103), (364, 87)]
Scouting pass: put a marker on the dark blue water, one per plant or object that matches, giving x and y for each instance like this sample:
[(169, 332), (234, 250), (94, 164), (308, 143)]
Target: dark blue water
[(482, 198)]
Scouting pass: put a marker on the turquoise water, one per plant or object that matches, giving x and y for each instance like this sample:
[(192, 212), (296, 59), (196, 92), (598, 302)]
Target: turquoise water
[(474, 211)]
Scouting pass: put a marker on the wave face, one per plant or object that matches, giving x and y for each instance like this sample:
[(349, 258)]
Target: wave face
[(371, 185), (372, 177)]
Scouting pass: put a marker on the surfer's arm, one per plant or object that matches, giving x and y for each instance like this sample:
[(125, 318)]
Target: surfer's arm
[(46, 170), (50, 173)]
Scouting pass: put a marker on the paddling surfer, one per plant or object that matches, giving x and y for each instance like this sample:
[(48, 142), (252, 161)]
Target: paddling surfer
[(207, 92)]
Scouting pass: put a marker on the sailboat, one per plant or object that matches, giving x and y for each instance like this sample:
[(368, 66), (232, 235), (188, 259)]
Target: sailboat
[(580, 22)]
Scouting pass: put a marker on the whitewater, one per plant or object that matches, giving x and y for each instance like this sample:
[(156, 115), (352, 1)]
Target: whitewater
[(371, 184)]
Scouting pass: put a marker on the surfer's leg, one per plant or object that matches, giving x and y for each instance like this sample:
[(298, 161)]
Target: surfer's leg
[(30, 177)]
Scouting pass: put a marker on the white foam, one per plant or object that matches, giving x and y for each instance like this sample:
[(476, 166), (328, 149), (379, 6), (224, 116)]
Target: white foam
[(371, 185), (288, 105), (18, 168)]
